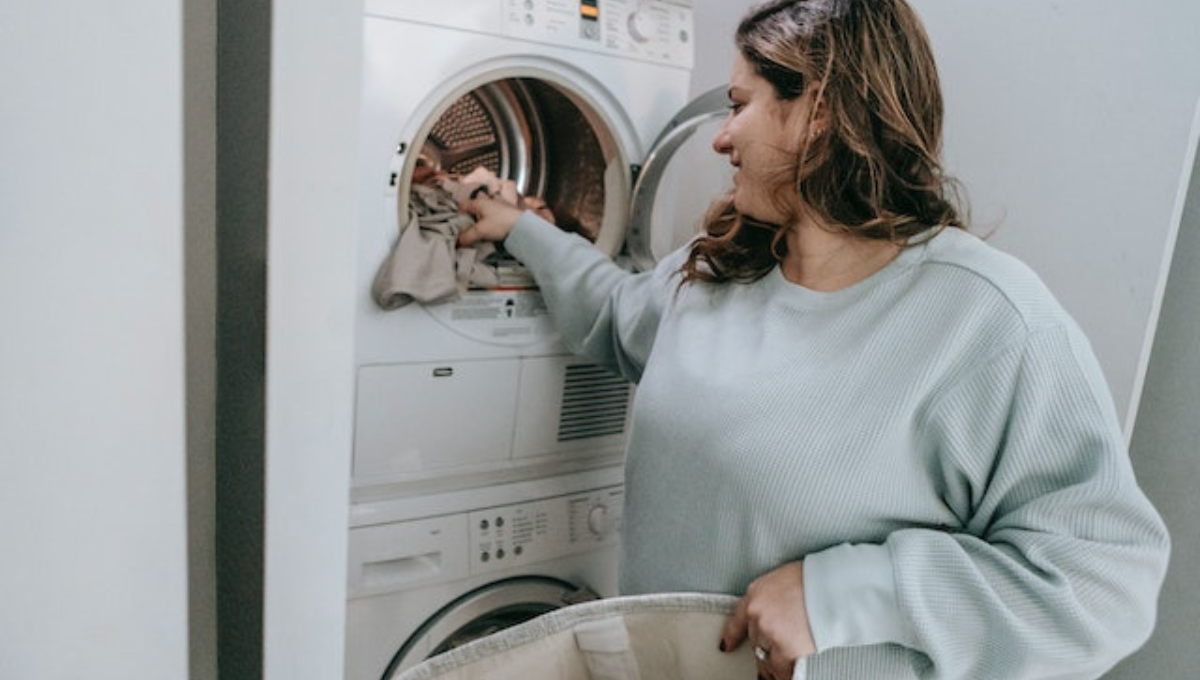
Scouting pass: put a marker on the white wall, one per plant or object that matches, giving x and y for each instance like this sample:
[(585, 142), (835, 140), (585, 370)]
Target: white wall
[(1067, 121), (92, 433), (715, 24), (312, 210)]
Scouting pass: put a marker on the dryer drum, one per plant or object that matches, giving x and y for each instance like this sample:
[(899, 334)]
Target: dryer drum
[(494, 126), (533, 133)]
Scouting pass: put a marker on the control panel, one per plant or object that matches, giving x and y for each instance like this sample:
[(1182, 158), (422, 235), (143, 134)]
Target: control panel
[(526, 533), (654, 30)]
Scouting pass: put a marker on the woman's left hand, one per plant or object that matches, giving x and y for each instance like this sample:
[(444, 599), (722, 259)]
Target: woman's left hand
[(771, 615)]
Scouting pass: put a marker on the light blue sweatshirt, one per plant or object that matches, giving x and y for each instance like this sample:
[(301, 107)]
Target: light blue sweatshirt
[(936, 442)]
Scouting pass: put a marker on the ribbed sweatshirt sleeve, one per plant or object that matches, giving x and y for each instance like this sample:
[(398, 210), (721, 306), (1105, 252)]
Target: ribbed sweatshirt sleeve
[(602, 311), (1056, 566), (851, 597)]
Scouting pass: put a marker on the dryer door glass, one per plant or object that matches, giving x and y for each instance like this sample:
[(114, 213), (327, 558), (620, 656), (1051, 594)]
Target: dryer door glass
[(544, 138), (679, 179)]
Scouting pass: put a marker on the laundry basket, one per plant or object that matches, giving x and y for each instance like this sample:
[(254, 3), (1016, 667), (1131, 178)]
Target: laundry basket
[(644, 637)]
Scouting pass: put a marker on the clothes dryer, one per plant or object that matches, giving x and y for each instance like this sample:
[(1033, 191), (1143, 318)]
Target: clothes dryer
[(566, 98)]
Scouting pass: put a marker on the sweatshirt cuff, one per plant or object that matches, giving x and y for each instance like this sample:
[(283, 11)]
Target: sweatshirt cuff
[(523, 240), (850, 596)]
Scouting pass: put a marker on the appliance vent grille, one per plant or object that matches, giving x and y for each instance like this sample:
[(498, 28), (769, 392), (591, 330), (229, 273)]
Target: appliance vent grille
[(595, 403)]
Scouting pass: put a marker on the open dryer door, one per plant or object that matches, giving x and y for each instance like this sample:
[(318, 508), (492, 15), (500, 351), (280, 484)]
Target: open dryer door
[(679, 179)]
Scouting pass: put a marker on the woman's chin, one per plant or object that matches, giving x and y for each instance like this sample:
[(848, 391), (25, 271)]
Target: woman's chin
[(748, 210), (742, 205), (755, 210)]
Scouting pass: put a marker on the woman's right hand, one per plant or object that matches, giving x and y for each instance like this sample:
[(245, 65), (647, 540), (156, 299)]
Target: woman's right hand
[(494, 217), (493, 202)]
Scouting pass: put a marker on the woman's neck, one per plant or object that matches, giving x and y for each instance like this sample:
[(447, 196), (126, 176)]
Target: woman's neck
[(825, 261)]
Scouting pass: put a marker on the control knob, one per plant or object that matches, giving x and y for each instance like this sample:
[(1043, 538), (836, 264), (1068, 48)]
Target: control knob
[(600, 521), (641, 26)]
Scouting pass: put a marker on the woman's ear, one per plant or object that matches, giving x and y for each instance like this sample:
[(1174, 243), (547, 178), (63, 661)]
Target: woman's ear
[(818, 115)]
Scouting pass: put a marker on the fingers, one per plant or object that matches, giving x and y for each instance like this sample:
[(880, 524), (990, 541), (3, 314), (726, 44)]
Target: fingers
[(508, 191), (494, 219), (482, 175), (494, 203), (468, 237), (737, 631), (742, 626), (480, 181), (736, 628), (771, 616), (772, 665)]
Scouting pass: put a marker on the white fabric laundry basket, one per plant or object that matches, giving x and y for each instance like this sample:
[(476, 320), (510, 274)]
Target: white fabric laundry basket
[(646, 637)]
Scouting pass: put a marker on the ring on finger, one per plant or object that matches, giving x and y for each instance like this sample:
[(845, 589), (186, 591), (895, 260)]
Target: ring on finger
[(761, 653)]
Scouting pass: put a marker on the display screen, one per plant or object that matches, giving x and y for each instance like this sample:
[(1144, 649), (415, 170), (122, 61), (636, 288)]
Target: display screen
[(589, 10)]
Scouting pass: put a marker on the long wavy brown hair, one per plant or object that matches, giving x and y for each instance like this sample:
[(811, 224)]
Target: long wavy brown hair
[(875, 170)]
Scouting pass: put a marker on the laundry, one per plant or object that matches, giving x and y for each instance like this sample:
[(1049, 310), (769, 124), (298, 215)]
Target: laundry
[(425, 265)]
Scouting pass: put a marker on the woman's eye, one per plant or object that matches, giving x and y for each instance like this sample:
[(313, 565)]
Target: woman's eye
[(736, 106)]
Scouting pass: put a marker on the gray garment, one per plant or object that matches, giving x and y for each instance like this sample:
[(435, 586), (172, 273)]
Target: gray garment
[(937, 442), (425, 264)]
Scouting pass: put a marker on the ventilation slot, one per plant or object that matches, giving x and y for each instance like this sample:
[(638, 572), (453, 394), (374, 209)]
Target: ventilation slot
[(595, 403)]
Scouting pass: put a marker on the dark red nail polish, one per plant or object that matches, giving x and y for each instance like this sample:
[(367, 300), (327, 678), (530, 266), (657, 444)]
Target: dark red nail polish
[(722, 645)]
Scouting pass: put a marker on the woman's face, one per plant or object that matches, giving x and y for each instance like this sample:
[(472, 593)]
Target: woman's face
[(760, 137)]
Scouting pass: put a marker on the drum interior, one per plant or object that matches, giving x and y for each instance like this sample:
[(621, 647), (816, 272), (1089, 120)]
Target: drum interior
[(529, 131)]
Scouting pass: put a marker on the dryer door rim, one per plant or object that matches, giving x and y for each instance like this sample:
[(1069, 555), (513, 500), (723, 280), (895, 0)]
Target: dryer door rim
[(710, 106)]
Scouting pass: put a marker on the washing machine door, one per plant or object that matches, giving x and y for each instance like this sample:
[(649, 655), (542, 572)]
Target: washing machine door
[(484, 611), (678, 181)]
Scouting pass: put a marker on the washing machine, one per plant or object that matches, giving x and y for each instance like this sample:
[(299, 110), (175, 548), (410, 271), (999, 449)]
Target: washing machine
[(486, 472), (430, 573)]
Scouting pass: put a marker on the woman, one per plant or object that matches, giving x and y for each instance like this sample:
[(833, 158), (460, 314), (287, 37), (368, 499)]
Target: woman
[(885, 435)]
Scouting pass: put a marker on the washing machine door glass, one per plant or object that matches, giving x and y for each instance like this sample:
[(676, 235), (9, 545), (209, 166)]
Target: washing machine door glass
[(679, 179), (484, 611)]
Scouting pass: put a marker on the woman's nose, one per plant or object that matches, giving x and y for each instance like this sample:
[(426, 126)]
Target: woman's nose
[(720, 142)]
